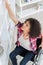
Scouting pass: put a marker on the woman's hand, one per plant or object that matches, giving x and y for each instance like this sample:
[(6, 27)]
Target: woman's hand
[(6, 4), (10, 12)]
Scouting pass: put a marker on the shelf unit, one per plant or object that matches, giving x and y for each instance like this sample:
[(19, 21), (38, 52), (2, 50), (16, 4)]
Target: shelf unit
[(27, 13), (20, 4), (26, 8)]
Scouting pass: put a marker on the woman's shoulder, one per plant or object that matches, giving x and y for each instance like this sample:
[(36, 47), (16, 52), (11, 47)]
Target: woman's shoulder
[(36, 38)]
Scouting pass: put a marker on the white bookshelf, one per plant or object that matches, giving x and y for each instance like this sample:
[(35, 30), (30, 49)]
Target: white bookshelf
[(27, 8), (22, 4), (28, 12)]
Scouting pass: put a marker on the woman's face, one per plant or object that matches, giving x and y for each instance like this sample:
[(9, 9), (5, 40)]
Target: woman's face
[(26, 27)]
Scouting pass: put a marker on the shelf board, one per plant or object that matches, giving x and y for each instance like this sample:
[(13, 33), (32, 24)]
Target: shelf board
[(28, 12), (27, 3)]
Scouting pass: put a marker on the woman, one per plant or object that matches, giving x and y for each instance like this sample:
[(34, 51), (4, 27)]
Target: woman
[(28, 33)]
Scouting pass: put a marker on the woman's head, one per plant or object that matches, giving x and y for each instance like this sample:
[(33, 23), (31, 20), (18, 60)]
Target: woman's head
[(32, 26)]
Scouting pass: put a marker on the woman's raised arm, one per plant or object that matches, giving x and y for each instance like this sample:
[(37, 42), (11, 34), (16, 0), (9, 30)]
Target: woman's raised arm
[(10, 12)]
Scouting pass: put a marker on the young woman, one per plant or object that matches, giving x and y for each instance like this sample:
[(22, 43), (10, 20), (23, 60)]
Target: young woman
[(28, 34)]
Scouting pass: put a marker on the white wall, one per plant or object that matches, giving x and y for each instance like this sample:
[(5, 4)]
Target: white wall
[(13, 29), (6, 32)]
